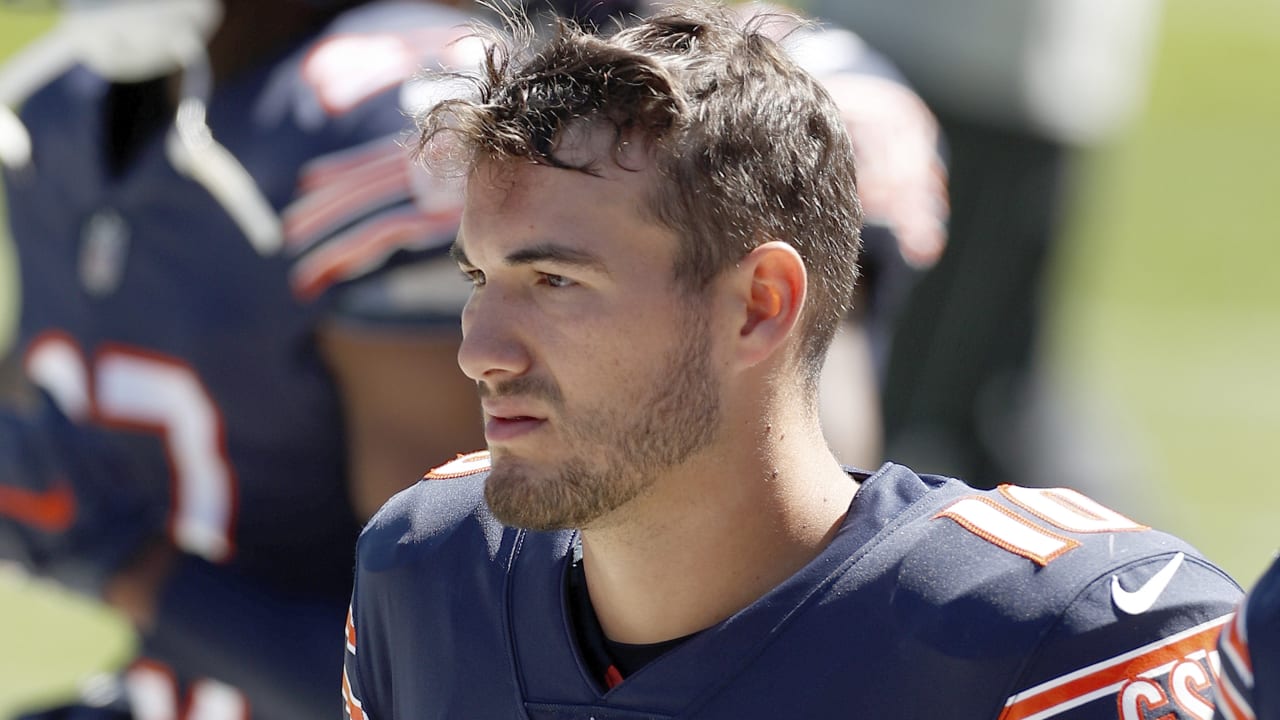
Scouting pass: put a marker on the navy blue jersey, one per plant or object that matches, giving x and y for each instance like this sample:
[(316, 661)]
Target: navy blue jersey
[(933, 601), (147, 313), (1250, 650)]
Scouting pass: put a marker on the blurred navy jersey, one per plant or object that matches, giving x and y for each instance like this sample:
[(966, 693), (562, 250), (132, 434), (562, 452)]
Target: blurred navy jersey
[(902, 173), (933, 601), (147, 313), (1250, 649)]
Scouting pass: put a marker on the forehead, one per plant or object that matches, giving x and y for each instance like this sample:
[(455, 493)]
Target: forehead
[(513, 202)]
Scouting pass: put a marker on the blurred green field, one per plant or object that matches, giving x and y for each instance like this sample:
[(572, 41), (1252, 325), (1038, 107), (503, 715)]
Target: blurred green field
[(1167, 300), (1167, 307)]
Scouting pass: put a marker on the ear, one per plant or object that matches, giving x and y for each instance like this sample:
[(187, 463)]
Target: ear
[(771, 286)]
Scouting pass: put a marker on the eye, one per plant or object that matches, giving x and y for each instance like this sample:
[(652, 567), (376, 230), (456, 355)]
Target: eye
[(555, 281), (473, 276)]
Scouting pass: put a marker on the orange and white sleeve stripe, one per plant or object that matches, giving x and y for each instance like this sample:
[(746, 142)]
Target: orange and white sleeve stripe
[(352, 707), (357, 207), (1109, 677), (1235, 685)]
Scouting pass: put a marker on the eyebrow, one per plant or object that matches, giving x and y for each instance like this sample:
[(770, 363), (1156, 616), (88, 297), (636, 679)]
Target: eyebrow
[(540, 252)]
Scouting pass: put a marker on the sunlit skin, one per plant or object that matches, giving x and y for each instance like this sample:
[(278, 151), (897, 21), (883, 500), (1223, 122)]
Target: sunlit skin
[(670, 427), (567, 454)]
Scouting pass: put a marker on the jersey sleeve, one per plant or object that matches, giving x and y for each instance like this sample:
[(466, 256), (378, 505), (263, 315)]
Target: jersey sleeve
[(371, 225), (1249, 686), (356, 675), (1137, 642), (67, 509), (381, 619), (368, 226), (414, 559)]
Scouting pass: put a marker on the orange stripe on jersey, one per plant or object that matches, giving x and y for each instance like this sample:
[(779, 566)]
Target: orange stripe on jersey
[(1107, 677), (354, 709), (330, 168), (368, 245), (51, 510), (351, 632), (1230, 702), (339, 202), (1235, 642)]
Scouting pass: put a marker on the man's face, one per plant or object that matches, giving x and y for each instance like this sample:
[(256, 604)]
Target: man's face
[(595, 371)]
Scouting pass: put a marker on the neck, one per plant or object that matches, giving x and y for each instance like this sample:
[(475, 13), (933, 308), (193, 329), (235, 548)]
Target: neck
[(717, 534)]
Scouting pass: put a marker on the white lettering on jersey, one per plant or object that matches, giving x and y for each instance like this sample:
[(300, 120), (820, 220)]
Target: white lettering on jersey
[(142, 391), (166, 396), (1067, 509), (346, 70), (153, 695), (1132, 678), (1061, 508), (1140, 696), (1004, 528), (1192, 689), (55, 363)]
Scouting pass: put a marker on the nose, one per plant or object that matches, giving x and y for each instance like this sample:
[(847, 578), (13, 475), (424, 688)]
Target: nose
[(491, 347)]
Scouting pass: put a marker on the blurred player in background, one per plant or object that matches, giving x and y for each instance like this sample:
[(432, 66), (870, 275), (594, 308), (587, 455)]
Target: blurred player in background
[(1020, 88), (239, 324), (1249, 649), (661, 227)]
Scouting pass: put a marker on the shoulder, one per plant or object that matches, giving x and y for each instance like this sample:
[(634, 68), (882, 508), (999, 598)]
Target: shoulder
[(67, 100), (1047, 544), (380, 46), (430, 562), (1082, 607), (443, 514), (362, 207), (76, 86), (354, 79), (1057, 551)]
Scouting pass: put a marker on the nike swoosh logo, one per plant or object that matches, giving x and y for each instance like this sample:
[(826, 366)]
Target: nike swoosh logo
[(1142, 599), (51, 510)]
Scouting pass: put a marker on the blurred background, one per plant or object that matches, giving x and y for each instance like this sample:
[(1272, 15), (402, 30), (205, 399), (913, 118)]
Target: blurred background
[(1163, 333)]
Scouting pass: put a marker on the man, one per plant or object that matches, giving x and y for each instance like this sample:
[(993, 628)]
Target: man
[(661, 230), (1250, 652), (239, 312)]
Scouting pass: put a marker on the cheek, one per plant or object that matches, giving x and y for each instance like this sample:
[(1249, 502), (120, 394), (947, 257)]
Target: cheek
[(610, 368), (614, 346)]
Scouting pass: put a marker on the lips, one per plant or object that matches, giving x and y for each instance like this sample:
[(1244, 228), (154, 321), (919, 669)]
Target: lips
[(502, 429), (509, 418)]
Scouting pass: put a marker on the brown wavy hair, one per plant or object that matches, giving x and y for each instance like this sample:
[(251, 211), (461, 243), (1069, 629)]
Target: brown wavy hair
[(751, 147)]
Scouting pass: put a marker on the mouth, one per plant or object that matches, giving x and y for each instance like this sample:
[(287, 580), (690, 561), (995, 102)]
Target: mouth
[(499, 428)]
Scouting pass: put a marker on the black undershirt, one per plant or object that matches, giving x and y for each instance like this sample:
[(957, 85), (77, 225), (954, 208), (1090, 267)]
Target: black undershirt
[(135, 112), (609, 661)]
